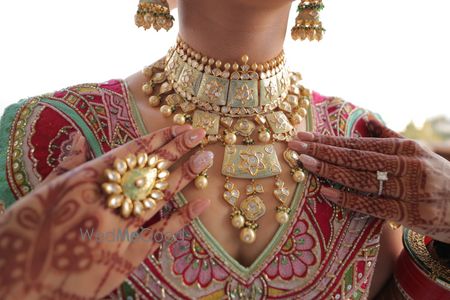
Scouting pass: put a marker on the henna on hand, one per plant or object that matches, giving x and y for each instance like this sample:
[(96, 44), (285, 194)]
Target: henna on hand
[(416, 193), (42, 249)]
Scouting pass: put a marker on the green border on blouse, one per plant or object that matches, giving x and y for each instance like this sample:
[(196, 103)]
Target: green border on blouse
[(242, 271), (6, 122)]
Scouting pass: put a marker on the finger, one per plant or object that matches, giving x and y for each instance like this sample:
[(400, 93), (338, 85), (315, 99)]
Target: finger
[(180, 178), (378, 129), (79, 154), (165, 229), (181, 145), (353, 158), (390, 146), (383, 208), (361, 181), (146, 144)]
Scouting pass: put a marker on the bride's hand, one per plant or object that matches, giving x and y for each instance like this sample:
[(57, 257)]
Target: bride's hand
[(61, 241), (416, 193)]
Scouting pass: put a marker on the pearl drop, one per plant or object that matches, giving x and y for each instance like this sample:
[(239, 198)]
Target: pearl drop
[(298, 176), (230, 138), (147, 88), (238, 221), (296, 119), (201, 182), (154, 101), (179, 119), (302, 112), (264, 136), (248, 235), (166, 110), (282, 217)]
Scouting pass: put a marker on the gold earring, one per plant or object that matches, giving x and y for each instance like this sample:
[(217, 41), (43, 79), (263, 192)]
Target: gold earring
[(307, 24), (154, 13)]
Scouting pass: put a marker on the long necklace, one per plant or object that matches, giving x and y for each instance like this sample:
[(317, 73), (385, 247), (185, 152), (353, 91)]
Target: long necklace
[(246, 108)]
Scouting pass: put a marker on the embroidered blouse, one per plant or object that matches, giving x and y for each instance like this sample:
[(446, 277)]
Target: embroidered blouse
[(323, 252)]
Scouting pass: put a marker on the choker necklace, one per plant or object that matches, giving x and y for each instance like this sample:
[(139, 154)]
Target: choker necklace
[(246, 108)]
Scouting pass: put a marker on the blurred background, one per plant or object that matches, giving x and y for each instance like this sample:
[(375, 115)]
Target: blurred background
[(388, 56)]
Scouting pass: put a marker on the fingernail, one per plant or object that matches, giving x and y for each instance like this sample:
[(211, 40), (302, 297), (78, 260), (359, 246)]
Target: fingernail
[(299, 146), (330, 193), (177, 130), (202, 160), (197, 207), (306, 136), (309, 162), (194, 137)]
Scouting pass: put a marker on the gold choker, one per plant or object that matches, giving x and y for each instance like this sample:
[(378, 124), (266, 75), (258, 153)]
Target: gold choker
[(230, 89), (247, 109)]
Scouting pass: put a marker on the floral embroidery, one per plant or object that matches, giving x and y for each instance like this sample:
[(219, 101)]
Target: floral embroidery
[(295, 255), (193, 262)]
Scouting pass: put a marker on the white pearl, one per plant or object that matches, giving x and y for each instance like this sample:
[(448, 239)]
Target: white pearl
[(248, 235), (282, 217), (238, 221), (298, 176), (201, 182)]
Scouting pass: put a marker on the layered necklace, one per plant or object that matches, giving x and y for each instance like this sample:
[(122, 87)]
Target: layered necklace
[(246, 108)]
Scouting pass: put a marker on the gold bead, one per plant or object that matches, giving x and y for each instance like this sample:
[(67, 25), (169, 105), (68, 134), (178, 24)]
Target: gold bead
[(112, 175), (264, 136), (282, 217), (247, 235), (147, 88), (179, 119), (161, 185), (142, 159), (302, 112), (154, 101), (296, 119), (298, 176), (230, 138), (244, 58), (131, 161), (149, 203), (111, 188), (163, 164), (201, 182), (305, 103), (127, 208), (115, 201), (120, 165), (238, 221), (148, 72), (166, 110), (138, 208)]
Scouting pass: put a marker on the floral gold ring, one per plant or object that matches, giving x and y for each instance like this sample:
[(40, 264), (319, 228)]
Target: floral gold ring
[(135, 184)]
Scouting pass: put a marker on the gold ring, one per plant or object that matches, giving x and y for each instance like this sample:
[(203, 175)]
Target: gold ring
[(136, 183)]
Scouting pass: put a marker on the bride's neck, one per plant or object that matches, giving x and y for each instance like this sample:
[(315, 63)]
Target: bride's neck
[(226, 30)]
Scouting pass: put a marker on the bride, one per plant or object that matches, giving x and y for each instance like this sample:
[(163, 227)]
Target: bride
[(214, 174)]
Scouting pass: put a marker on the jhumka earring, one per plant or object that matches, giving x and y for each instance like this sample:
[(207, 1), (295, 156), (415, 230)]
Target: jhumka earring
[(154, 13), (307, 24)]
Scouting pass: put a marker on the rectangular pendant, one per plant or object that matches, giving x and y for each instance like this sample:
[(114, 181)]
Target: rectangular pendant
[(243, 93), (213, 90), (278, 122), (250, 161), (207, 121)]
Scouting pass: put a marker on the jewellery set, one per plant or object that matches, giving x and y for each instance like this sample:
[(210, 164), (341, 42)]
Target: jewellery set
[(246, 108)]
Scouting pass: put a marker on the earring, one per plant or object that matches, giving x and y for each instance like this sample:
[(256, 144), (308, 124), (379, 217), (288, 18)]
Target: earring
[(154, 13), (307, 24)]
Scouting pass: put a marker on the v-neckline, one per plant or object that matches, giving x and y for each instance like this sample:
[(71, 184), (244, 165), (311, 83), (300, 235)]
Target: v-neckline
[(277, 241)]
